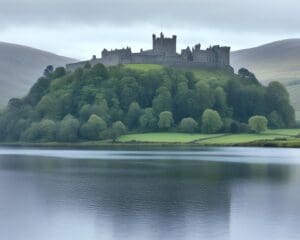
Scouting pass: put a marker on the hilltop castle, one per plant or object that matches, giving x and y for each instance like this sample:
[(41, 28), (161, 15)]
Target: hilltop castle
[(164, 52)]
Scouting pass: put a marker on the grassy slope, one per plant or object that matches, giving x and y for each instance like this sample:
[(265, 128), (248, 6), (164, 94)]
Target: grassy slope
[(212, 139), (209, 76), (144, 67), (166, 137)]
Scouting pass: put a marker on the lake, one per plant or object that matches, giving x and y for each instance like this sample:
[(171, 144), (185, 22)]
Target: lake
[(143, 194)]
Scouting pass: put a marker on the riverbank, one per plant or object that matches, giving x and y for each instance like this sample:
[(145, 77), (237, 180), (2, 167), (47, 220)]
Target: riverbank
[(271, 138)]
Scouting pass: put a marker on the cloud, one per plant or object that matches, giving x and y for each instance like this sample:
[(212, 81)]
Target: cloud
[(255, 15), (79, 28)]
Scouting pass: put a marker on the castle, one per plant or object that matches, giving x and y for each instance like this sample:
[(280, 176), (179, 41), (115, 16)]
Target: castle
[(164, 52)]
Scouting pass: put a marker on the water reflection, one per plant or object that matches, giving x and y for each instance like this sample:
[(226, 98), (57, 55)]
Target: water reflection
[(66, 198)]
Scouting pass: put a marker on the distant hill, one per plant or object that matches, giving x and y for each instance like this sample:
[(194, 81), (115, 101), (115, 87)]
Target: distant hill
[(277, 61), (274, 61), (20, 67)]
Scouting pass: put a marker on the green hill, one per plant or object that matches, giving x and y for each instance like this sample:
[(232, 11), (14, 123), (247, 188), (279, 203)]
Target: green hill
[(100, 103)]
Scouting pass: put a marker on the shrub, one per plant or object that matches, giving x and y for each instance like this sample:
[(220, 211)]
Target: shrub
[(148, 120), (118, 129), (211, 121), (188, 125), (166, 120), (258, 124), (43, 131), (68, 129), (93, 128)]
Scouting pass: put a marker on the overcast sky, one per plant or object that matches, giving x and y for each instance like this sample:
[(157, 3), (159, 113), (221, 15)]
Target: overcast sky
[(78, 29)]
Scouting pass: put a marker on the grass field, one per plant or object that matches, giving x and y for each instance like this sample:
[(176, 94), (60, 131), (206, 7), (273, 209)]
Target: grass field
[(166, 137), (144, 67), (208, 76), (212, 139)]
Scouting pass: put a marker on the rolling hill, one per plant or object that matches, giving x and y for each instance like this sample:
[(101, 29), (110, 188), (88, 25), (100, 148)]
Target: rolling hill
[(20, 67), (277, 61)]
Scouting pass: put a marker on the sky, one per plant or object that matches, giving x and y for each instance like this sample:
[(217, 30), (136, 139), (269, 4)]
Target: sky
[(80, 29)]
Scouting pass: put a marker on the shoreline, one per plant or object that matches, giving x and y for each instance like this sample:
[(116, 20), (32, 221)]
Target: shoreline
[(283, 138), (116, 145)]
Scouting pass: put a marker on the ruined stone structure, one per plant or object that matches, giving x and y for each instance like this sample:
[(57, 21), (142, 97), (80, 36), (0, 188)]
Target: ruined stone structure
[(164, 51)]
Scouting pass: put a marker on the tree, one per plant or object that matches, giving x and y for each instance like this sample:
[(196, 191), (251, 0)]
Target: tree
[(248, 76), (243, 98), (118, 129), (220, 101), (258, 124), (38, 90), (32, 133), (85, 112), (47, 130), (99, 70), (278, 100), (47, 107), (59, 72), (43, 131), (211, 121), (48, 71), (188, 125), (101, 109), (115, 111), (234, 127), (275, 121), (204, 96), (129, 91), (133, 115), (166, 120), (148, 121), (162, 101), (68, 129), (93, 128)]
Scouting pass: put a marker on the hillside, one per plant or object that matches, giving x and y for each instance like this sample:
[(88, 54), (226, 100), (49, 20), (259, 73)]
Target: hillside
[(20, 66), (277, 61), (102, 103)]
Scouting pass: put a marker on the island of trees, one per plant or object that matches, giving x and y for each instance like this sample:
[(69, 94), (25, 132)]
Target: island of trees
[(100, 103)]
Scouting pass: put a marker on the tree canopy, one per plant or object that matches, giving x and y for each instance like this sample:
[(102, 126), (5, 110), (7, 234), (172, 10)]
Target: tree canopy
[(211, 121), (258, 124), (98, 102)]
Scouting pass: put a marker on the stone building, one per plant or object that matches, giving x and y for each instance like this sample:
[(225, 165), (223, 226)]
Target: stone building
[(164, 51)]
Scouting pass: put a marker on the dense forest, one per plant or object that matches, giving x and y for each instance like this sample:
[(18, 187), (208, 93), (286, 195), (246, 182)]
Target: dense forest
[(98, 103)]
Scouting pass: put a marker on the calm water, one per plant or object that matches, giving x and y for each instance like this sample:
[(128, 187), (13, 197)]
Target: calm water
[(216, 193)]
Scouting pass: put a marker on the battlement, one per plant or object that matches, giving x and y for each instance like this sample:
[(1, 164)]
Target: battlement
[(164, 51), (120, 52)]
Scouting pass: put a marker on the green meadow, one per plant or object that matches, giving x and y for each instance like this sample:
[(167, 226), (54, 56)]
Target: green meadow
[(269, 136)]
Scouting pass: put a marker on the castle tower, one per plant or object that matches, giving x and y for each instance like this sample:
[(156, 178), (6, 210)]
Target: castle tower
[(222, 55), (164, 46)]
